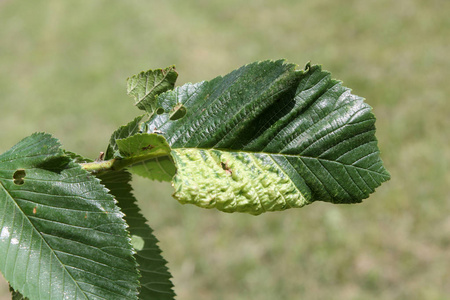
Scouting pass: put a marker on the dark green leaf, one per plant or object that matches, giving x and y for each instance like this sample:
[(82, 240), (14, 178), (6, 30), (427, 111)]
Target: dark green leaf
[(146, 86), (155, 280), (62, 235), (269, 137)]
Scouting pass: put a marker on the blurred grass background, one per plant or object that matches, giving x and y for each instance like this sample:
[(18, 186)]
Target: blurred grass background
[(63, 66)]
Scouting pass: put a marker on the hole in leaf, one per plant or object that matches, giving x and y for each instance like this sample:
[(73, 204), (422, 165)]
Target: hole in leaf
[(178, 112), (19, 176), (160, 111)]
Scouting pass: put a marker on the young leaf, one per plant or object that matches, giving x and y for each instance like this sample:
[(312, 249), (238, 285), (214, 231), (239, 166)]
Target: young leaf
[(122, 132), (269, 137), (155, 277), (149, 156), (143, 145), (62, 235), (145, 86), (159, 168)]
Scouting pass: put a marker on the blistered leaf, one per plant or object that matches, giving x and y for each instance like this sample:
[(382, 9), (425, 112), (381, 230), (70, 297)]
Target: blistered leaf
[(269, 137)]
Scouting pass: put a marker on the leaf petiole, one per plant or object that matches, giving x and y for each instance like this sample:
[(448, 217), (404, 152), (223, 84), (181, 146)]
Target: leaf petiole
[(116, 164)]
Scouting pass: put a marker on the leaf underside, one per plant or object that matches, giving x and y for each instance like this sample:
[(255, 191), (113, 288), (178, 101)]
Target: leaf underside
[(155, 277), (160, 168), (268, 137), (151, 153), (62, 237)]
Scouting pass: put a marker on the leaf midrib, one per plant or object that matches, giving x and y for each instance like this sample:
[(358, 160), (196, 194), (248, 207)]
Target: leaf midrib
[(285, 155), (42, 238)]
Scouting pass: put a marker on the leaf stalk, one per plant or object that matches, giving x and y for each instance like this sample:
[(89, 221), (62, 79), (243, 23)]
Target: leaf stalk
[(116, 164)]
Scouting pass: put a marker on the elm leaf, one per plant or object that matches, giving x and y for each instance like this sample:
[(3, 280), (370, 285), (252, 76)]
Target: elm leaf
[(155, 277), (123, 132), (146, 86), (268, 137), (62, 235), (149, 155)]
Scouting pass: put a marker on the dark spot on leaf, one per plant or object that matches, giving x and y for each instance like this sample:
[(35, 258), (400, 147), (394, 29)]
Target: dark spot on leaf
[(19, 176), (149, 147), (226, 168), (177, 112), (160, 111)]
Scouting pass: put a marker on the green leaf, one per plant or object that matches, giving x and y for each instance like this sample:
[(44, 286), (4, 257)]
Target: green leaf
[(155, 280), (62, 235), (159, 168), (148, 156), (143, 145), (269, 137), (123, 132), (146, 86)]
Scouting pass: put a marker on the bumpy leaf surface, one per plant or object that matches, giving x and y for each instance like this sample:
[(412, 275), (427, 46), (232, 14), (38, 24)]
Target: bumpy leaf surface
[(155, 277), (62, 235), (269, 137)]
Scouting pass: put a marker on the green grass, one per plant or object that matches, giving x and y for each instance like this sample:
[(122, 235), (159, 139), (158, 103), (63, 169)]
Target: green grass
[(63, 70)]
